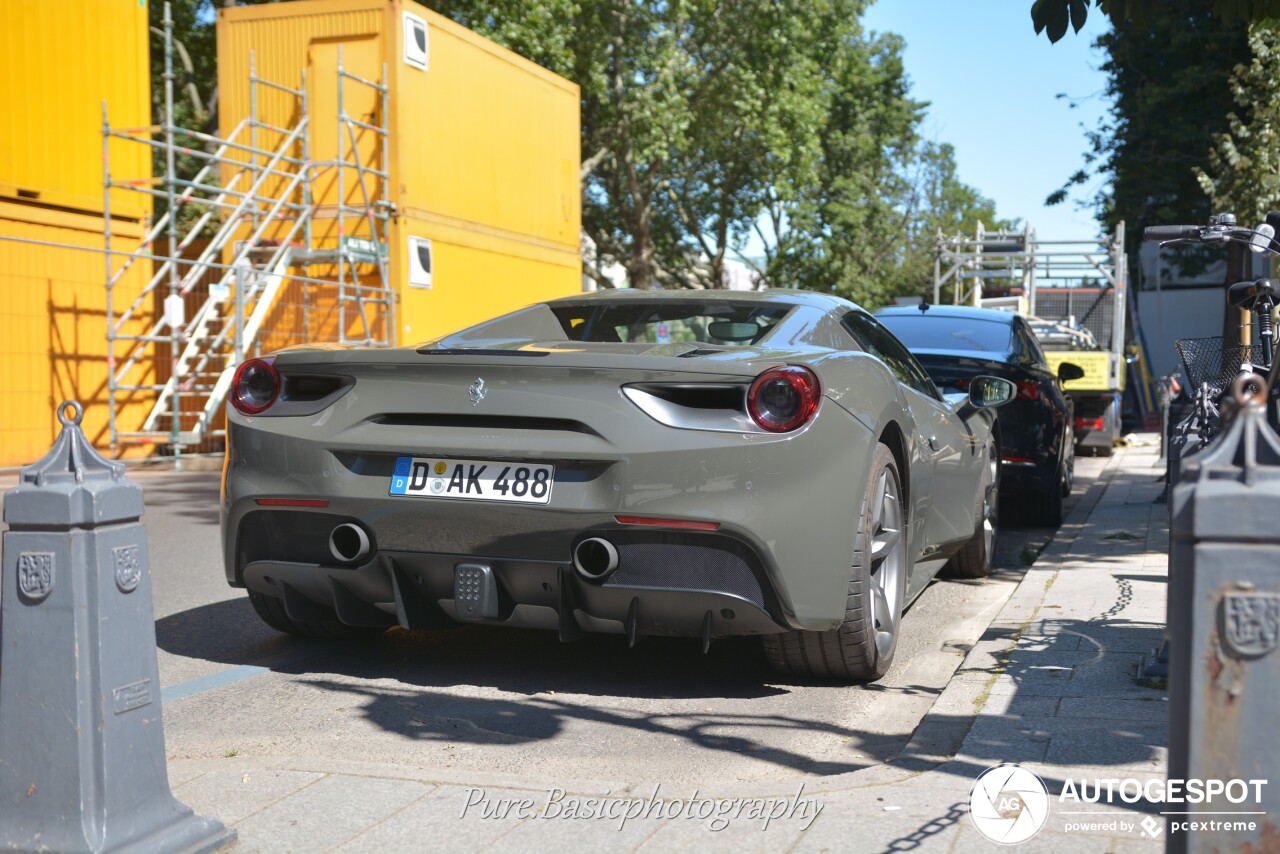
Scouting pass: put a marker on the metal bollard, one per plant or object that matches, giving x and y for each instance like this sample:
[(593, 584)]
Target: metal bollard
[(1224, 616), (82, 759)]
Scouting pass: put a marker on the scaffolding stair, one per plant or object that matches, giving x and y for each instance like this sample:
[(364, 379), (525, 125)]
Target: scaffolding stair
[(204, 370)]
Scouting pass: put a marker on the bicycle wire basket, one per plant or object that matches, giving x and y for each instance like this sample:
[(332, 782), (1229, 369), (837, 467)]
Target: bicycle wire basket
[(1207, 360)]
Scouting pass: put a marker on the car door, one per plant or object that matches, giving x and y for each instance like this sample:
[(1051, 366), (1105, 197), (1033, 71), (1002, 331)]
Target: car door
[(933, 439), (951, 444)]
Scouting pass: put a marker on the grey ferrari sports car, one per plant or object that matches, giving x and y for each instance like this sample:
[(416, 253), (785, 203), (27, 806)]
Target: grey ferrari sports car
[(695, 464)]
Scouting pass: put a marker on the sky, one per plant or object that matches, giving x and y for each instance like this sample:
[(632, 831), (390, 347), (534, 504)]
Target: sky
[(991, 83)]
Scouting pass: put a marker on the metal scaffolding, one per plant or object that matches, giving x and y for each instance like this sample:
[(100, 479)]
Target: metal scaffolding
[(1071, 282), (258, 254)]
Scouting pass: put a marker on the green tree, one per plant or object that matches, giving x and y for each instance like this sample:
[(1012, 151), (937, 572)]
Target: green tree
[(757, 86), (702, 119), (939, 202), (1052, 17), (835, 212), (865, 228), (1243, 170), (1168, 83)]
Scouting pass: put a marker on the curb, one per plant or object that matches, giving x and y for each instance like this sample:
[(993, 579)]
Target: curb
[(941, 733)]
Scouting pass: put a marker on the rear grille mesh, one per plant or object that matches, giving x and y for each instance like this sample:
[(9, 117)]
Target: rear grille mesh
[(686, 566)]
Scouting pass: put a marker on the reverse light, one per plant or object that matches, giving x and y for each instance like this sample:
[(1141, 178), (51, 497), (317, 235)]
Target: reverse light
[(783, 399), (255, 386), (687, 524)]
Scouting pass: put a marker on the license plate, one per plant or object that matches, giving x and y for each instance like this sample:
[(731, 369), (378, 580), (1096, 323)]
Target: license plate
[(476, 480)]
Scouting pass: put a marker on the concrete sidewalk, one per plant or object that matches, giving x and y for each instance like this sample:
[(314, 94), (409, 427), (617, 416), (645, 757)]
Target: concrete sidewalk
[(1050, 686)]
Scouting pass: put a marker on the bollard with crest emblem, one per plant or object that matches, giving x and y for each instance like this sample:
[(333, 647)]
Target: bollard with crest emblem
[(1224, 625), (82, 759)]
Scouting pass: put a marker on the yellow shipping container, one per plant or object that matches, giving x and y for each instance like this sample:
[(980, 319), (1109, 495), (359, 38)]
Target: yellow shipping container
[(53, 328), (483, 152), (58, 63)]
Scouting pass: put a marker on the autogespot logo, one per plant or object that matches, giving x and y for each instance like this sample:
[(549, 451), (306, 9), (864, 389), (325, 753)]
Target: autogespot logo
[(1008, 804)]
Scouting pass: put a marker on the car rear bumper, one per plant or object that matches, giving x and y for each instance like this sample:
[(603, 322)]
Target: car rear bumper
[(784, 508), (666, 584)]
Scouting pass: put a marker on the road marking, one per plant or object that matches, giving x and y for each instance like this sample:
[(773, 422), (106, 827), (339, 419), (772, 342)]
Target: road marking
[(207, 683)]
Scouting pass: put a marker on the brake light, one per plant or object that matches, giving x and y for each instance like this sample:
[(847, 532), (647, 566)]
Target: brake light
[(962, 383), (783, 399), (1091, 423), (255, 386), (1028, 390)]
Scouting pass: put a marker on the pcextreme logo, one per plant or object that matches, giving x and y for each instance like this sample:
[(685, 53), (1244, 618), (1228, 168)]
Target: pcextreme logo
[(1008, 804)]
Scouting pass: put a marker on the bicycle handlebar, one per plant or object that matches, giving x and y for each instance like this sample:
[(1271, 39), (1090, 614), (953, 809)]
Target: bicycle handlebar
[(1171, 232)]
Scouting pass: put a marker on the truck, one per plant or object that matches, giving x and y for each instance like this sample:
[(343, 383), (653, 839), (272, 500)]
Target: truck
[(1073, 294)]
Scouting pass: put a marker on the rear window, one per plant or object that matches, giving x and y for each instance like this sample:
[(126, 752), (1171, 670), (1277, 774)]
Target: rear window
[(709, 322), (925, 332)]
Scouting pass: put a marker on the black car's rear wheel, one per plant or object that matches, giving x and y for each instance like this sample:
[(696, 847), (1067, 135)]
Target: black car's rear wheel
[(1048, 503), (974, 560), (272, 612), (861, 648)]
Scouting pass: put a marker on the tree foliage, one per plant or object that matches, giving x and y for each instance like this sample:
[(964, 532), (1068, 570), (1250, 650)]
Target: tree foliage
[(1168, 83), (716, 128), (1052, 17), (1243, 170), (774, 127)]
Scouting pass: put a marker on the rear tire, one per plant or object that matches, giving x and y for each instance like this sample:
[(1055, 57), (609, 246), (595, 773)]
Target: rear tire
[(272, 612), (1049, 506), (861, 648), (974, 560)]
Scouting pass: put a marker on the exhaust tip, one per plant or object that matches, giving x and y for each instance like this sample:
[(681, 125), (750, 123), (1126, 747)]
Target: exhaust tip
[(349, 543), (595, 558)]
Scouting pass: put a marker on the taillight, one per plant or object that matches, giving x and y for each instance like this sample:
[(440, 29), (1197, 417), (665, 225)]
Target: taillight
[(255, 386), (782, 399), (1028, 390), (1091, 423)]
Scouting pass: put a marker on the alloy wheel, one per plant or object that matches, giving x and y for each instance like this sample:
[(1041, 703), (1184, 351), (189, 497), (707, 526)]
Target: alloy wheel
[(888, 561)]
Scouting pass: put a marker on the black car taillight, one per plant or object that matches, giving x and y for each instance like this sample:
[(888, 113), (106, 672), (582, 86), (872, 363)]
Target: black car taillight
[(783, 399), (1028, 390), (255, 386)]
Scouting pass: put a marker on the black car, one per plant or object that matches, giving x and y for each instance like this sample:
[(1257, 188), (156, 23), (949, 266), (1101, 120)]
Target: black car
[(955, 343)]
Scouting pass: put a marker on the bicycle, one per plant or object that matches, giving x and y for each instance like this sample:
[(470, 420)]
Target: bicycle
[(1211, 364)]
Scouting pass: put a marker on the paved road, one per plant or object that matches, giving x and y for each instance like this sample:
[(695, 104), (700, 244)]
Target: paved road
[(491, 702)]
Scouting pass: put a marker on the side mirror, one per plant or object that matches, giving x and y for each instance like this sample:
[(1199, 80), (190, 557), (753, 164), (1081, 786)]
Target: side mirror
[(1068, 371), (989, 392)]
